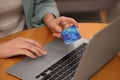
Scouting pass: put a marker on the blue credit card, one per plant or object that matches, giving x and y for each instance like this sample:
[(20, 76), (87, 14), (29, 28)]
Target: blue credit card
[(70, 35)]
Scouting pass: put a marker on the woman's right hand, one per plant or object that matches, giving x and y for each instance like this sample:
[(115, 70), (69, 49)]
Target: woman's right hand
[(21, 46)]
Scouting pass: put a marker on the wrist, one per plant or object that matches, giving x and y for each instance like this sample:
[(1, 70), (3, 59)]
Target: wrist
[(48, 18)]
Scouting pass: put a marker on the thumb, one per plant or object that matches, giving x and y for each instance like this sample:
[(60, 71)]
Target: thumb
[(56, 27)]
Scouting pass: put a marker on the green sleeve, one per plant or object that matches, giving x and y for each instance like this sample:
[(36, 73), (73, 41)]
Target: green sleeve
[(41, 8)]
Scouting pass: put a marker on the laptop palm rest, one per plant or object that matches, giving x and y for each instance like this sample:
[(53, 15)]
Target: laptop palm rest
[(55, 51)]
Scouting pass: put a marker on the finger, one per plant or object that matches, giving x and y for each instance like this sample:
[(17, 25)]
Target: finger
[(64, 24), (43, 51), (27, 53), (37, 50), (31, 41), (56, 27), (73, 22), (58, 35), (33, 48)]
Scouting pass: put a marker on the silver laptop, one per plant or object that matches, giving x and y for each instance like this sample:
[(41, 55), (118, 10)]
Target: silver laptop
[(78, 61)]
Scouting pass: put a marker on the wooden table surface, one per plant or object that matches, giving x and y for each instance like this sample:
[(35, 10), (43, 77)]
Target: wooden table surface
[(111, 71)]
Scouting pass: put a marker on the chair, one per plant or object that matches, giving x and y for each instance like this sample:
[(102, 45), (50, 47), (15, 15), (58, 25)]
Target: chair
[(78, 6)]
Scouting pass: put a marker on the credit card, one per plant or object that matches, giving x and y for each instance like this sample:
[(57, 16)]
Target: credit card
[(70, 35)]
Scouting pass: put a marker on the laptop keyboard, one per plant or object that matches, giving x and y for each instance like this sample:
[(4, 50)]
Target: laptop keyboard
[(65, 68)]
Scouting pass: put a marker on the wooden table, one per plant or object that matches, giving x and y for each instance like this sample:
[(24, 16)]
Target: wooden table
[(110, 72)]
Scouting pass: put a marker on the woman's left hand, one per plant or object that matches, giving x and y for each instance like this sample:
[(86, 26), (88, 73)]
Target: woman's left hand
[(56, 25)]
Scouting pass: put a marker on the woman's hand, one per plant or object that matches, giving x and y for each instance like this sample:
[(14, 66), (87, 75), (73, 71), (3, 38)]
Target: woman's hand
[(21, 46), (56, 25)]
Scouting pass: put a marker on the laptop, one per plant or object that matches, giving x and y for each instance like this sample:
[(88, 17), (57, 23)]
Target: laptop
[(78, 61)]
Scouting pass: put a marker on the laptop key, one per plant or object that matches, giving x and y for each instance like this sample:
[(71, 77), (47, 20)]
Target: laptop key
[(46, 77), (53, 78)]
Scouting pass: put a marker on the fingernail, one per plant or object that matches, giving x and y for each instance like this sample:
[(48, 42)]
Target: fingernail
[(59, 29), (44, 52), (34, 57)]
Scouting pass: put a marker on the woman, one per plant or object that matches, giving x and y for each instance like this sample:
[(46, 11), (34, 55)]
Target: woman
[(17, 15)]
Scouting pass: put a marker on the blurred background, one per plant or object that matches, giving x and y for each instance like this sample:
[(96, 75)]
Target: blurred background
[(102, 11)]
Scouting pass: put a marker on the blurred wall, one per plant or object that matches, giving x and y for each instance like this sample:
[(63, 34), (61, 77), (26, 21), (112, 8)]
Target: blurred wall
[(114, 12)]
